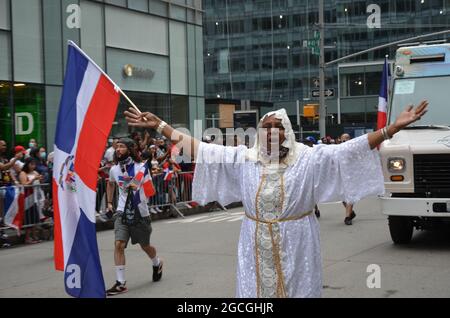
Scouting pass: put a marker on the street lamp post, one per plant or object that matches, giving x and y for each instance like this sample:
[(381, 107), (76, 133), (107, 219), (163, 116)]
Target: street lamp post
[(322, 107)]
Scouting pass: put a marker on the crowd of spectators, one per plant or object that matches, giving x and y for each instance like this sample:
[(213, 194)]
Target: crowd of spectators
[(31, 169), (172, 179)]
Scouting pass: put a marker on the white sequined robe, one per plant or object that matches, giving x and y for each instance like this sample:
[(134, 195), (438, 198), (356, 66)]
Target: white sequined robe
[(346, 172)]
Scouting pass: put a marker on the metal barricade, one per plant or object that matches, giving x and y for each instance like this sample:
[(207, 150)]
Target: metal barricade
[(166, 195), (185, 187), (172, 192), (30, 209)]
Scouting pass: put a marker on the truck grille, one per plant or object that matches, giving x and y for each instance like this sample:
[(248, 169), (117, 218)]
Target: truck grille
[(432, 173)]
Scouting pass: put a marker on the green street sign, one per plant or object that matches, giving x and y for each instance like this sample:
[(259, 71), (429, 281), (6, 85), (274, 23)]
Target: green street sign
[(317, 35), (316, 51), (313, 44)]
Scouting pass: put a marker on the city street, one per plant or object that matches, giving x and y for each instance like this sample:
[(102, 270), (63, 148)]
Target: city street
[(200, 259), (126, 105)]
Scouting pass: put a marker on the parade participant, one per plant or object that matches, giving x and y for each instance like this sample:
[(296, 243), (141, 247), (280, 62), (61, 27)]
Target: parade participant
[(133, 220), (6, 165), (310, 141), (349, 213), (279, 181)]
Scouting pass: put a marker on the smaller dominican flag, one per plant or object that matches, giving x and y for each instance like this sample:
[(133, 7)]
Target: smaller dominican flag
[(87, 110), (14, 206), (145, 185), (168, 174), (383, 97), (34, 198)]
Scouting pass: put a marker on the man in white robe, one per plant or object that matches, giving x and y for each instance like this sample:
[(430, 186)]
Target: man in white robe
[(279, 181), (278, 200)]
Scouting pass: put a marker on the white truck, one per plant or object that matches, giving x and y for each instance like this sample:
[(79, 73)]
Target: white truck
[(416, 161)]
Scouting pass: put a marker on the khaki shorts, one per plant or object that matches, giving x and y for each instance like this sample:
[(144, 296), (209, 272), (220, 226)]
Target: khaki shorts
[(139, 234)]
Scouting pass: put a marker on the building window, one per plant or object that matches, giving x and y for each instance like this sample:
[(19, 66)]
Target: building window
[(158, 104), (280, 61), (29, 105)]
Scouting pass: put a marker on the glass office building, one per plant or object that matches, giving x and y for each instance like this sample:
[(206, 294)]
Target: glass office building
[(258, 50), (152, 49)]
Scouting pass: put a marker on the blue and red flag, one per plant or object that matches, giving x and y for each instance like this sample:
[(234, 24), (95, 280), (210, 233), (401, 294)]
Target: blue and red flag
[(145, 185), (87, 110), (14, 205), (383, 96)]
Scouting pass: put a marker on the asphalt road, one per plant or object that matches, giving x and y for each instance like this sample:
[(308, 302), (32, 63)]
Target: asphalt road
[(200, 259)]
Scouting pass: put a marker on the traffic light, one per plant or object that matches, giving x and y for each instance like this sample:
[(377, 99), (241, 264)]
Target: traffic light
[(311, 110)]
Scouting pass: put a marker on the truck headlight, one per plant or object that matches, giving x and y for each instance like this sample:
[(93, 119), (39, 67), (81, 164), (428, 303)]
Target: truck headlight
[(396, 164)]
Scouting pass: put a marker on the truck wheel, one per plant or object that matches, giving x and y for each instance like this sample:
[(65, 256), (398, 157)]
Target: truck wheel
[(401, 228)]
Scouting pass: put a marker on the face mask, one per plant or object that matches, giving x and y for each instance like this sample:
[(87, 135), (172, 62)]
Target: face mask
[(43, 155), (31, 145)]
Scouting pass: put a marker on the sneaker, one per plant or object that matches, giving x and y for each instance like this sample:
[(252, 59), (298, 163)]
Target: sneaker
[(117, 289), (348, 221), (157, 271), (157, 209), (153, 210)]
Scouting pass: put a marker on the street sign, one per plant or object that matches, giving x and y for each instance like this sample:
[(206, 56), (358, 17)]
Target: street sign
[(313, 44), (329, 92), (316, 51), (316, 82), (245, 119), (317, 35)]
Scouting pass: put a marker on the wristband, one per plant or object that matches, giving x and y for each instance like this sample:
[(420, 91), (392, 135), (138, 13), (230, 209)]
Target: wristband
[(161, 127), (385, 134)]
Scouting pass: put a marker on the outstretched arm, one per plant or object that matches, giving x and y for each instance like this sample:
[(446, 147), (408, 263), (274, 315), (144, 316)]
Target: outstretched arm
[(151, 121), (408, 116)]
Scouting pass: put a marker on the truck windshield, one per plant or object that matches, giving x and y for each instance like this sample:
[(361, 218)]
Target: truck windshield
[(436, 90)]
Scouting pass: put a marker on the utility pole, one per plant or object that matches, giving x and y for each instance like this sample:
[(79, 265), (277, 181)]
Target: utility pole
[(322, 107)]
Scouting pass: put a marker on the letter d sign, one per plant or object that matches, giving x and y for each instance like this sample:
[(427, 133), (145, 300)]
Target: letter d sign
[(20, 117)]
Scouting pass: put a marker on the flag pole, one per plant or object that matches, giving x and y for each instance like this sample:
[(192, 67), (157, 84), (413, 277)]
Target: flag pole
[(130, 101), (71, 43)]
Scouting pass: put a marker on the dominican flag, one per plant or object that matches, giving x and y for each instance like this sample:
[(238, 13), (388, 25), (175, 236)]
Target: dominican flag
[(168, 174), (14, 208), (145, 186), (34, 198), (383, 97), (88, 106)]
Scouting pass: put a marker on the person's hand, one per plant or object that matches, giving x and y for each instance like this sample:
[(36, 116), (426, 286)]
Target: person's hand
[(110, 207), (410, 115), (143, 120)]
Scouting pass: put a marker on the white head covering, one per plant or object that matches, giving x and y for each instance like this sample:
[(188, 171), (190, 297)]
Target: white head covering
[(256, 153)]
